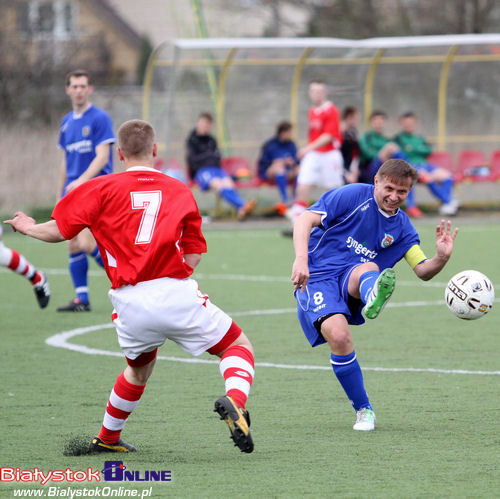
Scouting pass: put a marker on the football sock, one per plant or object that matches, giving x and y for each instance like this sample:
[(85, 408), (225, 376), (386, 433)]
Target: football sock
[(348, 372), (123, 400), (97, 257), (443, 190), (297, 209), (366, 283), (281, 182), (410, 200), (16, 262), (78, 267), (237, 368), (232, 197)]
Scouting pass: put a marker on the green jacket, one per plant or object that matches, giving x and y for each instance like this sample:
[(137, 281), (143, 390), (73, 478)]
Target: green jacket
[(370, 144), (413, 146)]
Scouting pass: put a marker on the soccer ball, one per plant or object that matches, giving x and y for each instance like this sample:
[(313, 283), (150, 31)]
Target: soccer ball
[(469, 294)]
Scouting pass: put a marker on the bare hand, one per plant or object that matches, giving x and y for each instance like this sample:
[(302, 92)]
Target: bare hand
[(73, 185), (300, 274), (21, 222), (302, 152), (445, 239)]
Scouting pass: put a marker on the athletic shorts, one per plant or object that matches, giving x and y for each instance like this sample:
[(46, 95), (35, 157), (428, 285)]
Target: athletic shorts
[(327, 297), (149, 313), (205, 175), (324, 169), (425, 167)]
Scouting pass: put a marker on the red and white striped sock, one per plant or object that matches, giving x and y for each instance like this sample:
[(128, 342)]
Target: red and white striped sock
[(18, 263), (123, 400), (237, 368)]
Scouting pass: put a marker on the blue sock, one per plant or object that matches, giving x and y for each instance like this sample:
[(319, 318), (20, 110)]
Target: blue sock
[(348, 372), (78, 266), (97, 257), (281, 183), (232, 197), (410, 200), (443, 190), (366, 283)]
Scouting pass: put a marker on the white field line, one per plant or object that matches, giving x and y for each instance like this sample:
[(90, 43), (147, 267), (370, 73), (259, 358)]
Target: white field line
[(245, 278), (61, 340)]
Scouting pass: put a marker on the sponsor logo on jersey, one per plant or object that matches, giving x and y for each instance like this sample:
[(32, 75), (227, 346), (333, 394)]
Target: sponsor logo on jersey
[(81, 147), (85, 131), (360, 249), (387, 241)]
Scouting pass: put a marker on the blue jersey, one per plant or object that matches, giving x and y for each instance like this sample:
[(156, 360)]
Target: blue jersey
[(79, 136), (353, 230)]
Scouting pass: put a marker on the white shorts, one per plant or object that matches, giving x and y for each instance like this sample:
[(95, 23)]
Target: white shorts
[(323, 169), (153, 311)]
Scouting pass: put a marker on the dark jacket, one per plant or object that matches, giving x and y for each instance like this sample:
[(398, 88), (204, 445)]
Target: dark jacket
[(201, 151)]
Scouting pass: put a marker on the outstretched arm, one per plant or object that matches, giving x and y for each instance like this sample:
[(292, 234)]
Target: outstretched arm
[(444, 247), (301, 233), (48, 231)]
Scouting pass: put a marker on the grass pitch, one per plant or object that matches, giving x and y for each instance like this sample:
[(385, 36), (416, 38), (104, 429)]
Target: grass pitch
[(437, 432)]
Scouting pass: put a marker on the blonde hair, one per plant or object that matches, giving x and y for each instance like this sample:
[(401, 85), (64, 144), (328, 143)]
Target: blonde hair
[(136, 139)]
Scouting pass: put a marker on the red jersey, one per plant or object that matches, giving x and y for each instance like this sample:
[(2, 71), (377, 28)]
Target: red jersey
[(325, 119), (143, 221)]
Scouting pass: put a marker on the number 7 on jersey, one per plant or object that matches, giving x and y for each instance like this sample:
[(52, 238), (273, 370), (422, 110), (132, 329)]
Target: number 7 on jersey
[(150, 202)]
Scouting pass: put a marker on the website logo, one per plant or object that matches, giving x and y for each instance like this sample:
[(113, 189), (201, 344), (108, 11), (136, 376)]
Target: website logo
[(116, 471)]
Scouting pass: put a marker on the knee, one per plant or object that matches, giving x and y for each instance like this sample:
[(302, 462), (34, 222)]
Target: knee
[(74, 246), (367, 267)]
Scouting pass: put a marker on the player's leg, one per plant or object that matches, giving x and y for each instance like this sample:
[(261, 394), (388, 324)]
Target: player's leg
[(441, 185), (331, 166), (347, 369), (277, 172), (372, 287), (237, 368), (18, 263), (78, 268), (88, 243), (124, 398), (224, 185)]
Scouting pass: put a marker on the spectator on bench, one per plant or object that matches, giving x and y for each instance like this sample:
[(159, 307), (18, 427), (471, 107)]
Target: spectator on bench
[(278, 162), (204, 161)]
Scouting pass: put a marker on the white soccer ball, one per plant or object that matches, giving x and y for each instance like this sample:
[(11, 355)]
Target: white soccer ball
[(469, 294)]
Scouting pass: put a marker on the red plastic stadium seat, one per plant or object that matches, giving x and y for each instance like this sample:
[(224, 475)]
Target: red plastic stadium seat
[(495, 165), (473, 166), (442, 159)]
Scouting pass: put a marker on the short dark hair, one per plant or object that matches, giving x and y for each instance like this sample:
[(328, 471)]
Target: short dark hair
[(136, 139), (77, 73), (397, 169), (283, 126), (349, 111), (377, 112), (206, 115), (407, 114)]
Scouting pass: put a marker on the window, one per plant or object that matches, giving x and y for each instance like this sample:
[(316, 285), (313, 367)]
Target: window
[(45, 18)]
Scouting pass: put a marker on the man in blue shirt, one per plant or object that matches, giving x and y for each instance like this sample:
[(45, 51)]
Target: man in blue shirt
[(86, 137), (346, 245), (278, 161)]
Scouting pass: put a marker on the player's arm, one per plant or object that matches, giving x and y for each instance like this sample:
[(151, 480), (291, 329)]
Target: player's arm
[(301, 233), (322, 140), (192, 259), (102, 154), (48, 231), (445, 238), (62, 178)]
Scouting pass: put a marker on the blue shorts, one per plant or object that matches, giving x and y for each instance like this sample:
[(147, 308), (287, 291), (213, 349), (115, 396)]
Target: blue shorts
[(425, 167), (205, 175), (325, 298)]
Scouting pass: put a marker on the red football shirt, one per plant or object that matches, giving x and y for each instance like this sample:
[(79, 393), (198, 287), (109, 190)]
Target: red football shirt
[(325, 119), (143, 221)]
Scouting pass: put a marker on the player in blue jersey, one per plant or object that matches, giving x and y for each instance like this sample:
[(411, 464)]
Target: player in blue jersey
[(86, 137), (345, 247)]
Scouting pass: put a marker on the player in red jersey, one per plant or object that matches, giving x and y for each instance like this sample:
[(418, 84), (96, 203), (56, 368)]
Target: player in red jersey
[(16, 262), (148, 229), (321, 162)]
